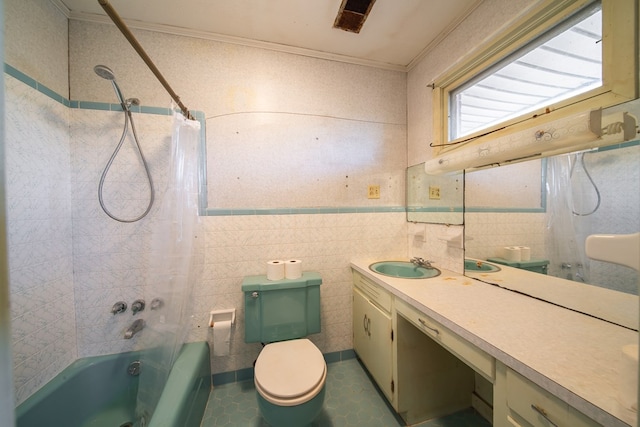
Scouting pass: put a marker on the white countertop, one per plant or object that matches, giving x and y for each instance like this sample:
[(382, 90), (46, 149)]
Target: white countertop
[(617, 307), (574, 356)]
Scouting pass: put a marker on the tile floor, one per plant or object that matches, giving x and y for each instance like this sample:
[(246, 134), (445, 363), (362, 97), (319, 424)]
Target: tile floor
[(351, 400)]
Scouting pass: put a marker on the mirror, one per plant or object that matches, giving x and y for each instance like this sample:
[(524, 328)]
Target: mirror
[(550, 206), (434, 199)]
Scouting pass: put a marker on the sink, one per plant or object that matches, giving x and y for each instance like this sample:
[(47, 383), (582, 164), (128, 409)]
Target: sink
[(477, 265), (403, 269)]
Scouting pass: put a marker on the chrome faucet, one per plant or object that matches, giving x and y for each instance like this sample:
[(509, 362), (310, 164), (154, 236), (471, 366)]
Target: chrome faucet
[(119, 307), (133, 329), (421, 262), (138, 305)]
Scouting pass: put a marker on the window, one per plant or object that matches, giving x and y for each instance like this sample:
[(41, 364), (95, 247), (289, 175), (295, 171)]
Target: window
[(542, 73), (564, 57)]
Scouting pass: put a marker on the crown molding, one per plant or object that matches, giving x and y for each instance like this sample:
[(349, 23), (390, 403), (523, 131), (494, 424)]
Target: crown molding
[(443, 35), (61, 7), (205, 35)]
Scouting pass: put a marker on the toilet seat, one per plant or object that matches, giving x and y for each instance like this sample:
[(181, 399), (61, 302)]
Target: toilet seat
[(290, 373)]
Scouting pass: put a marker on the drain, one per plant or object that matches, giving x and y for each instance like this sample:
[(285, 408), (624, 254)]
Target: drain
[(134, 370), (127, 424)]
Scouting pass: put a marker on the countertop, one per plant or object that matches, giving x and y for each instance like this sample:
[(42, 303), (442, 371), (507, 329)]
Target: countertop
[(617, 307), (576, 357)]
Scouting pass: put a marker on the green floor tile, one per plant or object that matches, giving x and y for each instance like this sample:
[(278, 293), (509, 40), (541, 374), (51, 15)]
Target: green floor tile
[(351, 400)]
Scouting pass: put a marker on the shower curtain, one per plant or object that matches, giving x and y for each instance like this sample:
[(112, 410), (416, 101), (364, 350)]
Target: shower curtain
[(566, 231), (177, 255)]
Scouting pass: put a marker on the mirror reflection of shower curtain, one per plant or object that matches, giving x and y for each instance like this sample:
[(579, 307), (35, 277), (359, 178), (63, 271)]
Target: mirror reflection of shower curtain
[(177, 255), (567, 194)]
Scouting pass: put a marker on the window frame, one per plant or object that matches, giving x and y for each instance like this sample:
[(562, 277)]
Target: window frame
[(619, 79)]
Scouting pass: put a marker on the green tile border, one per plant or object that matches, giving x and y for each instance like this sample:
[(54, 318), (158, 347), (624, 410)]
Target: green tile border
[(442, 209), (301, 211), (622, 145), (246, 374), (19, 75), (200, 116), (89, 105), (204, 211), (543, 198)]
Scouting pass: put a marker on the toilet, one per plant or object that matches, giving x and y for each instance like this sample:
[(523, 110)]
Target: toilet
[(290, 372)]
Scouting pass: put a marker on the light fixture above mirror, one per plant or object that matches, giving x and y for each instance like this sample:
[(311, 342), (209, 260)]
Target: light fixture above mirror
[(577, 132)]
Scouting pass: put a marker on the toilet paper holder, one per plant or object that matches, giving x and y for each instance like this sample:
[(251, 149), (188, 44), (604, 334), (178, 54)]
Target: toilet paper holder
[(222, 316)]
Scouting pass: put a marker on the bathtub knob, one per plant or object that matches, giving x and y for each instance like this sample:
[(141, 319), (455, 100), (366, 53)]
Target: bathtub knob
[(134, 368), (119, 307), (138, 305), (156, 304)]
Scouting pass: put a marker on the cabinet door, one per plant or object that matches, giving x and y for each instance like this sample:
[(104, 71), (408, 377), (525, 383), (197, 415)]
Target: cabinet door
[(372, 341)]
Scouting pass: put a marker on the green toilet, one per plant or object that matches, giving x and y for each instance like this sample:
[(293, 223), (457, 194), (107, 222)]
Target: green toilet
[(290, 372)]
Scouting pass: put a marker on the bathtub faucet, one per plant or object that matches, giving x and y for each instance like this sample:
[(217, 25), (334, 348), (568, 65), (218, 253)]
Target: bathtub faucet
[(421, 262), (134, 328)]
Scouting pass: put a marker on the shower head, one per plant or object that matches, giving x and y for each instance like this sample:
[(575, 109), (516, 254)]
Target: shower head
[(106, 73)]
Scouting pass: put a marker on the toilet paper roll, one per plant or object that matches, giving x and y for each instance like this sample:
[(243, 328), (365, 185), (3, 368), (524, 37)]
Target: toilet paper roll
[(221, 338), (275, 269), (525, 253), (293, 269), (511, 253)]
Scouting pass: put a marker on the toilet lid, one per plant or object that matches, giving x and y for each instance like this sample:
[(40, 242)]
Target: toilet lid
[(289, 369)]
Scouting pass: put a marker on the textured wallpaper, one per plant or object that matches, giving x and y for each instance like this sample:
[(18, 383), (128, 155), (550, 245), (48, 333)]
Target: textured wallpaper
[(39, 236)]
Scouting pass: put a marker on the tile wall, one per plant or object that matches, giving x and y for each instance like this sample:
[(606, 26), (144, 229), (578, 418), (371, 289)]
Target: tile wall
[(488, 232), (241, 245), (111, 258), (39, 236)]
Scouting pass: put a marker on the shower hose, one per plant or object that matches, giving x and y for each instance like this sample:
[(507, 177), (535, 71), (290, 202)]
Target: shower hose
[(127, 118)]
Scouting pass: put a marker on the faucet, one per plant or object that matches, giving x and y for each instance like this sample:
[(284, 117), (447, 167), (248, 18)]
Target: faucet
[(119, 307), (138, 305), (421, 262), (133, 329)]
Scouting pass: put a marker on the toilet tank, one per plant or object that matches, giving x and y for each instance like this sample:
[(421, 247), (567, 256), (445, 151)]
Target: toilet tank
[(278, 310)]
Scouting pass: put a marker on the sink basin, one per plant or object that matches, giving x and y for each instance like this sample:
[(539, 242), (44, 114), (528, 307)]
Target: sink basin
[(403, 269), (477, 265)]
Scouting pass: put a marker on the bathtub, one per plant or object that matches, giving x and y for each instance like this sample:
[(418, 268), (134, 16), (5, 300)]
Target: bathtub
[(98, 391)]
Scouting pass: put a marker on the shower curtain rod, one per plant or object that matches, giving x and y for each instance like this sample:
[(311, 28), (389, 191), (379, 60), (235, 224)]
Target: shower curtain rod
[(111, 12)]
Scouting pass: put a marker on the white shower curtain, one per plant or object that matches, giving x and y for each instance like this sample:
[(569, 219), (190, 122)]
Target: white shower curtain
[(566, 231), (177, 255)]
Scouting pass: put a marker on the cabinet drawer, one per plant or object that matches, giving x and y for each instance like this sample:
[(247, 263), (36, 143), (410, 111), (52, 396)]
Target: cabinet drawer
[(373, 292), (531, 405), (477, 359)]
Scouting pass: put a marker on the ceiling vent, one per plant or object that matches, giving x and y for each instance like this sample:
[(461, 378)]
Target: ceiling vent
[(352, 15)]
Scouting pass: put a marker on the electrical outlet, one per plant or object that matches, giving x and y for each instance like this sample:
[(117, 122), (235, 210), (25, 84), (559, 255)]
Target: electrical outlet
[(374, 192), (434, 193)]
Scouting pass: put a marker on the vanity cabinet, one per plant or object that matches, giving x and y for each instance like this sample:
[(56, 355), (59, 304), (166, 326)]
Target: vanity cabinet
[(432, 351), (524, 404), (372, 331), (475, 358), (436, 369)]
